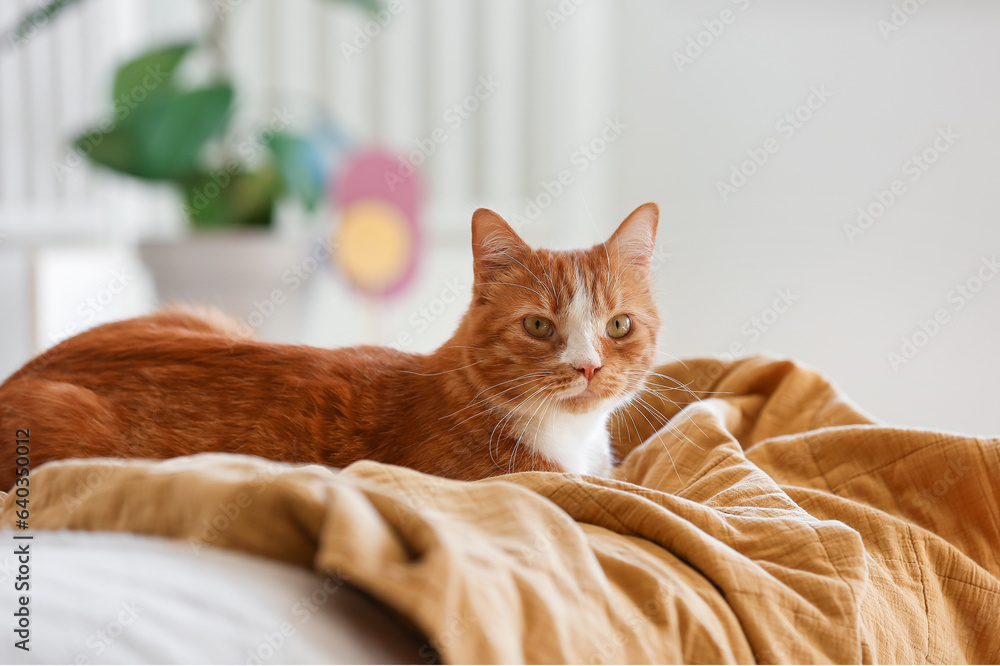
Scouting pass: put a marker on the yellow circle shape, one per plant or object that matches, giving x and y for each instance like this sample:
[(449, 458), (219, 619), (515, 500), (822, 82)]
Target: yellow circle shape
[(374, 244)]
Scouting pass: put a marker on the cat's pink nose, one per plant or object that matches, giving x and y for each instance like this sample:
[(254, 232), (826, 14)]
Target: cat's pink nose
[(589, 370)]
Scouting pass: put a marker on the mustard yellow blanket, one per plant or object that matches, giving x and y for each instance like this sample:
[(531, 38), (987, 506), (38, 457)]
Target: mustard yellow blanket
[(769, 521)]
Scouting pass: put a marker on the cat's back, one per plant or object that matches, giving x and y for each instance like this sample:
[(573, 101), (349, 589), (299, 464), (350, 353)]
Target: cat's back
[(183, 381), (196, 342)]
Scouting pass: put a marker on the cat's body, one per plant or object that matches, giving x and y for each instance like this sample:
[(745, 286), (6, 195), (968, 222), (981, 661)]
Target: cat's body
[(496, 398), (182, 387)]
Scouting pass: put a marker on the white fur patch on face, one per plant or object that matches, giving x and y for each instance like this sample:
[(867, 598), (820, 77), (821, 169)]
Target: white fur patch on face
[(579, 443), (581, 329)]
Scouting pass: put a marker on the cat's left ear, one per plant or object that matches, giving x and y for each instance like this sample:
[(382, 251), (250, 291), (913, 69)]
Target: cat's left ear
[(634, 240), (495, 245)]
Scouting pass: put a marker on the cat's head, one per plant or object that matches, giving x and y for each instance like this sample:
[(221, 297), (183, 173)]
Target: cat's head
[(574, 331)]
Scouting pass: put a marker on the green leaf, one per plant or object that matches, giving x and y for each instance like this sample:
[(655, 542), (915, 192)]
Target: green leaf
[(162, 138), (299, 168), (149, 75), (170, 132), (114, 149)]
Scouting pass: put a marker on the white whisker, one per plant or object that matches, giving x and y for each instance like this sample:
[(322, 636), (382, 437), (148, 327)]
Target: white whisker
[(492, 407), (443, 372), (525, 268), (507, 417), (511, 284)]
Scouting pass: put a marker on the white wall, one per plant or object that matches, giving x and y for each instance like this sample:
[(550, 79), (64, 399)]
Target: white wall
[(785, 228)]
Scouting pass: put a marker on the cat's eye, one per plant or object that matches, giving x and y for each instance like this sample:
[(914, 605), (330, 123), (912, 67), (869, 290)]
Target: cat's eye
[(537, 327), (619, 326)]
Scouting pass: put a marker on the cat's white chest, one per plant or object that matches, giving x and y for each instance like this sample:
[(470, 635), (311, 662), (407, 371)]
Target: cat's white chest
[(579, 443)]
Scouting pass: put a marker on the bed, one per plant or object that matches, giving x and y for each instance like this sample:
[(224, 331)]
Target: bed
[(758, 516), (121, 598)]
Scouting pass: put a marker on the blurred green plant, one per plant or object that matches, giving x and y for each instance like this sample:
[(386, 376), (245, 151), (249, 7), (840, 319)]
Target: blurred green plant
[(162, 131)]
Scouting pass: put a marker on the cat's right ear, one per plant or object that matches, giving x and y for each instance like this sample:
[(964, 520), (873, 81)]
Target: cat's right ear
[(495, 245)]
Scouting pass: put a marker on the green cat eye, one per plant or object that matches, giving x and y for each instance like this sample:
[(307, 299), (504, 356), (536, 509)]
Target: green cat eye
[(619, 326), (537, 327)]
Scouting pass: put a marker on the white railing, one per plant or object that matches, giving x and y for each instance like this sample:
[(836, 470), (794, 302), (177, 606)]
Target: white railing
[(391, 80)]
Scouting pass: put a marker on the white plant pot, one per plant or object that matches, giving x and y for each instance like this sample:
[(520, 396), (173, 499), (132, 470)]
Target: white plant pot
[(247, 274)]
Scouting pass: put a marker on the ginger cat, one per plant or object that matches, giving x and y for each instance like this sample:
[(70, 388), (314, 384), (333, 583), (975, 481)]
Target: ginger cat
[(552, 343)]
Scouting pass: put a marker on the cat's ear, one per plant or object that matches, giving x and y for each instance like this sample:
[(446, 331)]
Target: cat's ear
[(634, 240), (495, 245)]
